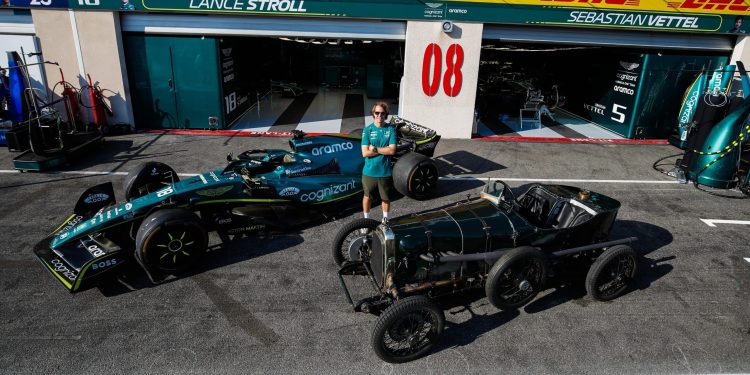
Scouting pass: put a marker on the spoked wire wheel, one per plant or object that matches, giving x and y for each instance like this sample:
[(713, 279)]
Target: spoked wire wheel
[(516, 278), (353, 241), (408, 330), (612, 273)]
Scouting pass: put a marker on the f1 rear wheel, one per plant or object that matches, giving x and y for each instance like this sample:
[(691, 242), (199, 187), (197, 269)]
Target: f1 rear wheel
[(415, 176)]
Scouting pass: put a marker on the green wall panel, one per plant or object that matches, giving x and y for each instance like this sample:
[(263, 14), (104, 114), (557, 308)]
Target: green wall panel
[(174, 81)]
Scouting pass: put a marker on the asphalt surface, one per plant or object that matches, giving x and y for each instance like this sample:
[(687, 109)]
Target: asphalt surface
[(273, 305)]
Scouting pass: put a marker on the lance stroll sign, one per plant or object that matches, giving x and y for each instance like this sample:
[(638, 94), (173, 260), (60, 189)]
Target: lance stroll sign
[(687, 15)]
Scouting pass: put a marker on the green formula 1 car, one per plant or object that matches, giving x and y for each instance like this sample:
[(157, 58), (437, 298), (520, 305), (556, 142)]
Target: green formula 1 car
[(163, 223)]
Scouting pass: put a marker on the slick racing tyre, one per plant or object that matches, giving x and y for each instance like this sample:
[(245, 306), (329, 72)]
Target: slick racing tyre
[(170, 241), (415, 176), (611, 273), (408, 329), (147, 178), (516, 278), (353, 241)]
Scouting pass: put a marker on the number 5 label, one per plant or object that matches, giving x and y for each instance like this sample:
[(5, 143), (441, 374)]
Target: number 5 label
[(620, 115)]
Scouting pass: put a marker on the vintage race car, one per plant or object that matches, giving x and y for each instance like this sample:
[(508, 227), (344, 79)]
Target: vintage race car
[(164, 223), (507, 246)]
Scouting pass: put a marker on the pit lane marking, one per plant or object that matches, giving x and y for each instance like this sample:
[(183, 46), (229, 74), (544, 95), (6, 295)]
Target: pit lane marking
[(713, 222), (90, 173), (514, 179)]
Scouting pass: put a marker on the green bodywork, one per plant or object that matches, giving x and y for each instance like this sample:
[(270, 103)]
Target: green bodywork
[(484, 225), (260, 190)]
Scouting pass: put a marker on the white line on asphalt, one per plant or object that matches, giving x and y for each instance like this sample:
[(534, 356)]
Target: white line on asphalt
[(559, 180), (92, 173), (713, 222)]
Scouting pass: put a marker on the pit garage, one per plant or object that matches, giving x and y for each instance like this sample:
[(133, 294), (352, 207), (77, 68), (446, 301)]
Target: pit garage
[(589, 83), (260, 74)]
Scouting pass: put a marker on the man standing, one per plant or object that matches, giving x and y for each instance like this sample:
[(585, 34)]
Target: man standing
[(378, 147)]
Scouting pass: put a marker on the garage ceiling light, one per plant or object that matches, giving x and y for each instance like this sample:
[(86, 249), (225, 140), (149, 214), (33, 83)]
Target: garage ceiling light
[(367, 41), (334, 42), (349, 42), (285, 38), (300, 40)]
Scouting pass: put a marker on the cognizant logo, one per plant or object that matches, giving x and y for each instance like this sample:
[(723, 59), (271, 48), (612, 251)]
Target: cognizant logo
[(330, 149), (689, 105), (321, 194)]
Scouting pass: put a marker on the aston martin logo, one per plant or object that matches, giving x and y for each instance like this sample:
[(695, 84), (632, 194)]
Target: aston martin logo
[(434, 5), (226, 51), (214, 192), (629, 65)]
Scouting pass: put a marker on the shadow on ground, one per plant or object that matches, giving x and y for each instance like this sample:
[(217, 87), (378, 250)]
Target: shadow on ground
[(463, 162), (568, 285), (131, 276)]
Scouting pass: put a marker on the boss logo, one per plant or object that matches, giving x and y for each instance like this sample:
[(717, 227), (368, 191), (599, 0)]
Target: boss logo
[(104, 264)]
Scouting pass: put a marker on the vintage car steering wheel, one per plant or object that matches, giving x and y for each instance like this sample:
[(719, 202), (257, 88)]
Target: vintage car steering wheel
[(506, 194)]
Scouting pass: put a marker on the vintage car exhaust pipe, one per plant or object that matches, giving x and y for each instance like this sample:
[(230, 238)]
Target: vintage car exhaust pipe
[(497, 254)]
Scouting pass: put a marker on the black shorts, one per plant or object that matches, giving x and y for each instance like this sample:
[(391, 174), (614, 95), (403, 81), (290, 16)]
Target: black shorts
[(384, 185)]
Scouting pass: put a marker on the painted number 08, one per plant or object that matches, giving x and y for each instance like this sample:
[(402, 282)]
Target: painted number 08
[(452, 78)]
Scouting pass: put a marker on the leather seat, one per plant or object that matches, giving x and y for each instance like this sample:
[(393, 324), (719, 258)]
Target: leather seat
[(566, 216), (535, 207)]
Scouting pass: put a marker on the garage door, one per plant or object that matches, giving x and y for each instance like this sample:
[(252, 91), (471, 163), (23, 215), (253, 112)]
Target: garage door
[(264, 26), (610, 38)]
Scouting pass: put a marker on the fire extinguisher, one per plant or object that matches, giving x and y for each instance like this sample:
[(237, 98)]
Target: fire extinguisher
[(70, 96), (99, 108)]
